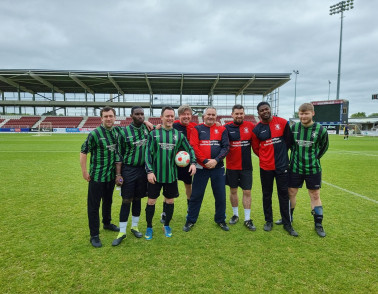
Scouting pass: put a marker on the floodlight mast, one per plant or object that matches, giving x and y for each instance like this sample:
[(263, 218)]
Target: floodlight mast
[(335, 9), (295, 89)]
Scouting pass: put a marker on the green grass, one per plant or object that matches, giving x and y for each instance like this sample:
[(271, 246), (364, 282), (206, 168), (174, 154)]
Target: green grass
[(44, 245)]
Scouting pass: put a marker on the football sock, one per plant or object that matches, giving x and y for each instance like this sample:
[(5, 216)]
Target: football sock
[(136, 207), (291, 213), (150, 211), (134, 221), (125, 212), (168, 213), (317, 212), (235, 211), (247, 214), (122, 227), (164, 207)]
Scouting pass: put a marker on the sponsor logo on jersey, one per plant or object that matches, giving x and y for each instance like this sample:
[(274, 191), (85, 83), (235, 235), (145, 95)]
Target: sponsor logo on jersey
[(140, 142), (167, 146), (246, 131), (111, 147), (277, 127)]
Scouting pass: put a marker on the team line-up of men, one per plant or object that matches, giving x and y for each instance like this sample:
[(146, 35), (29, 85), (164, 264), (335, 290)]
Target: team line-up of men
[(140, 158)]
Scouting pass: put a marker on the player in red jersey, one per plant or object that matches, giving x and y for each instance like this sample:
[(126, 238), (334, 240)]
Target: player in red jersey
[(239, 164), (271, 139)]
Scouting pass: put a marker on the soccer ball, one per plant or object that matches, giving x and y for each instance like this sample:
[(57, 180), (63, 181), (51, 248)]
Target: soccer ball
[(182, 158)]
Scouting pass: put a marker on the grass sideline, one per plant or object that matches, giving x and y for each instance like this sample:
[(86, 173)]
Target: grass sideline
[(45, 245)]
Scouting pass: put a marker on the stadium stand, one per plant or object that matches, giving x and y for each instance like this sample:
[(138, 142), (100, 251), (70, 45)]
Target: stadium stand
[(251, 118), (24, 121), (92, 122), (195, 119), (155, 120), (223, 119), (63, 121)]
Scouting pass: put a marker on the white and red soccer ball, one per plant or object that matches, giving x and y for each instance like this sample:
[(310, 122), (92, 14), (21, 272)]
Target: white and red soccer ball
[(182, 158)]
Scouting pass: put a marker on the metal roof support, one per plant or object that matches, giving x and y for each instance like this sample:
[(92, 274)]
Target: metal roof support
[(115, 84), (181, 86), (214, 85), (151, 93), (16, 85), (46, 83), (84, 86), (148, 84), (246, 85)]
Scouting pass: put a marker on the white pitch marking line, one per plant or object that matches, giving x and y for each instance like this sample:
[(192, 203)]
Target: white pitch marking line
[(350, 192), (352, 152)]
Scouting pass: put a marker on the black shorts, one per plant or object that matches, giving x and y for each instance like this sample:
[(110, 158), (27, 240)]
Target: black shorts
[(313, 182), (170, 190), (184, 174), (134, 182), (239, 178)]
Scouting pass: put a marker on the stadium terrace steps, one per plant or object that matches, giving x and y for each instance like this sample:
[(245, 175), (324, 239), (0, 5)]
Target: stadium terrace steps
[(24, 121)]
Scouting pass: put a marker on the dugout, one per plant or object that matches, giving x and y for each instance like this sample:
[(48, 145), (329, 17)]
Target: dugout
[(331, 114)]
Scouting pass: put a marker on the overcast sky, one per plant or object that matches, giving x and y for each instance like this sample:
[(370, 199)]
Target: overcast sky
[(239, 36)]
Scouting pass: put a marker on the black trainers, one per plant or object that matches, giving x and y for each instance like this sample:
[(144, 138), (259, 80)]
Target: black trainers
[(111, 227), (136, 232), (249, 225), (95, 241), (188, 226), (224, 226), (119, 239), (268, 226), (234, 219), (279, 222), (162, 220), (291, 231), (319, 230)]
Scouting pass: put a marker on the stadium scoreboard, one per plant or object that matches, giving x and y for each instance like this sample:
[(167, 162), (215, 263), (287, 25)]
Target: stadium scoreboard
[(331, 113)]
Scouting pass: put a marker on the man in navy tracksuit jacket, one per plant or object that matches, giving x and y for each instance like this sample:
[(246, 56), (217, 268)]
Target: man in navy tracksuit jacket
[(211, 145)]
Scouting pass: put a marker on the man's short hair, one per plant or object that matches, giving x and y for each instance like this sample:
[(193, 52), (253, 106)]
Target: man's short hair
[(306, 107), (166, 108), (209, 107), (135, 107), (237, 106), (106, 109), (262, 104), (184, 108)]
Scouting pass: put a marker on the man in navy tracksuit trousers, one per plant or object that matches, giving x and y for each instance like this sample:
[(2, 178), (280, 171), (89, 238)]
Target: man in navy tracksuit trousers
[(211, 145)]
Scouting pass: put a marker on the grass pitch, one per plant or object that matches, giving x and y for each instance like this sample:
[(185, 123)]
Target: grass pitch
[(45, 247)]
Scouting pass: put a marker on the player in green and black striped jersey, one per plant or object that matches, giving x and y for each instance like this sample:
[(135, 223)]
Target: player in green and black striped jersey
[(101, 143), (131, 174), (310, 143), (162, 146)]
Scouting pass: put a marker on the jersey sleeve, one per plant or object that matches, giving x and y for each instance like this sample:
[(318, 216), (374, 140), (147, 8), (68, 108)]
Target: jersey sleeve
[(323, 143), (255, 144), (87, 146), (188, 148), (149, 153), (225, 144), (120, 147), (194, 142)]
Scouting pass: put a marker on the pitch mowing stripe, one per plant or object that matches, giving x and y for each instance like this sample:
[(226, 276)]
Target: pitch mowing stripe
[(350, 192), (40, 151), (352, 152)]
